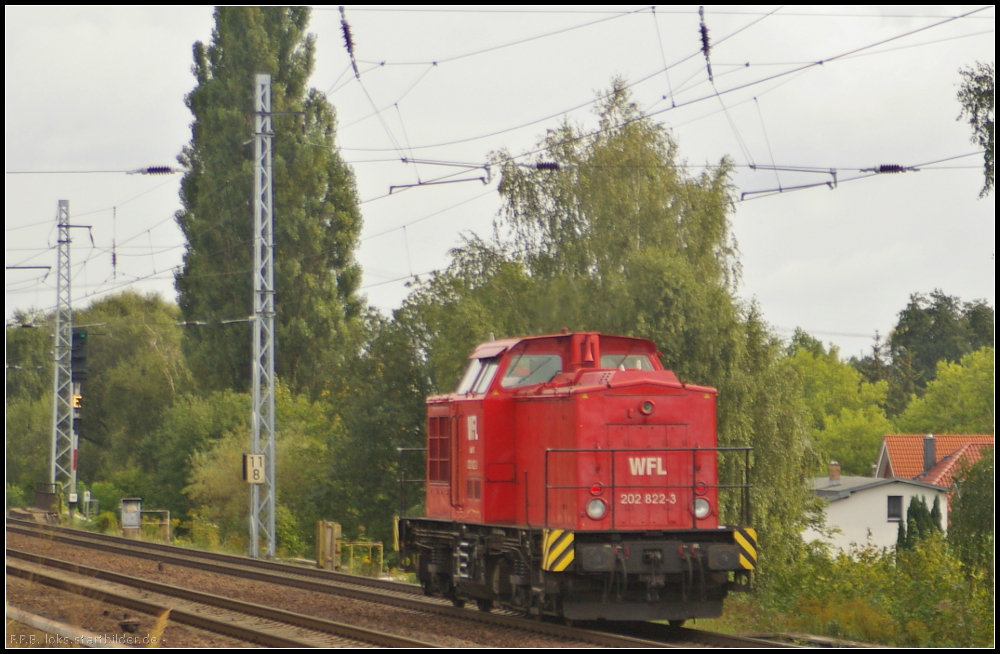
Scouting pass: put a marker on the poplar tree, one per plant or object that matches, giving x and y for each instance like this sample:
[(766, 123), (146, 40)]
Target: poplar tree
[(316, 215)]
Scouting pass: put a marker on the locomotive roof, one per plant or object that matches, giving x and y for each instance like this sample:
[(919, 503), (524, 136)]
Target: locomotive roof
[(499, 346)]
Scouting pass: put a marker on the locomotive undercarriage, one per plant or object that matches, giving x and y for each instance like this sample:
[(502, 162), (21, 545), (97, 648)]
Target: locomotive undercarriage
[(653, 575)]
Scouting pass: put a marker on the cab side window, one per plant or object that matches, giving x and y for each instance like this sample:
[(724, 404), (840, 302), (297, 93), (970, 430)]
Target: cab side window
[(486, 376), (478, 376)]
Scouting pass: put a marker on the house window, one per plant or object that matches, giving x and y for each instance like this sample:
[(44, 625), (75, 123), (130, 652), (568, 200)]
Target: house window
[(895, 512)]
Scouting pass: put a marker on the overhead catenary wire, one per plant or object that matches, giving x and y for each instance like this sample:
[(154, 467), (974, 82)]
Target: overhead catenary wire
[(792, 14), (396, 102), (793, 71), (767, 140), (586, 104), (718, 75), (428, 216), (78, 267), (663, 56), (820, 62), (766, 193), (441, 60)]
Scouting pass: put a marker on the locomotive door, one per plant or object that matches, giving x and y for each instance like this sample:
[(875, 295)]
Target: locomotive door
[(467, 477), (652, 476)]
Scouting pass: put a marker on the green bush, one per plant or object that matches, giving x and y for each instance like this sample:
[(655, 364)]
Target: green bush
[(107, 522), (202, 532), (918, 597), (15, 496)]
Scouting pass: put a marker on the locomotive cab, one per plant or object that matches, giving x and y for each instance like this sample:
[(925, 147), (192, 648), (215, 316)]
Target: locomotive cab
[(572, 475)]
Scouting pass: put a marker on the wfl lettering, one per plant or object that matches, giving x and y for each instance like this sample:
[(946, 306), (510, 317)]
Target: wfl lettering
[(645, 465)]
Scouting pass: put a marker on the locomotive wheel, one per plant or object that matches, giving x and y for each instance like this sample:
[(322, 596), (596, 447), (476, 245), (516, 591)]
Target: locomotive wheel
[(484, 605), (676, 623), (457, 602)]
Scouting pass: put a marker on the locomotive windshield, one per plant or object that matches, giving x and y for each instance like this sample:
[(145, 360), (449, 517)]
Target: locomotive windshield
[(529, 369), (626, 361)]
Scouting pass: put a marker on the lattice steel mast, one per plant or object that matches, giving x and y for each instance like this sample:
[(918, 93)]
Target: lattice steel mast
[(62, 466), (262, 500)]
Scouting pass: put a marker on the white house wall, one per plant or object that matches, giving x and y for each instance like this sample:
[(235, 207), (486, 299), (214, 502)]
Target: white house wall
[(863, 516)]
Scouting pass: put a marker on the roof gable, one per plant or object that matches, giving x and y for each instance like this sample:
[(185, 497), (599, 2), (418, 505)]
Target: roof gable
[(943, 473), (902, 455)]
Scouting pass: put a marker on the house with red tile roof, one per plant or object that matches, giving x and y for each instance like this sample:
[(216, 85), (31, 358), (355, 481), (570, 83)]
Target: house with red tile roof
[(930, 458), (868, 510)]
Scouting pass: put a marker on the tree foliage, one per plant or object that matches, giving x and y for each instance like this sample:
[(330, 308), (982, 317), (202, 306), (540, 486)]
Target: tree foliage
[(28, 415), (306, 442), (193, 424), (316, 217), (381, 402), (921, 522), (972, 526), (929, 329), (28, 431), (846, 419), (136, 371), (977, 96), (960, 400), (622, 239), (940, 327), (29, 356)]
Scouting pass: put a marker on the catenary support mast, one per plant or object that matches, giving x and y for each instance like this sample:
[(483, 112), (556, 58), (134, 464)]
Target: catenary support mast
[(262, 496), (62, 466)]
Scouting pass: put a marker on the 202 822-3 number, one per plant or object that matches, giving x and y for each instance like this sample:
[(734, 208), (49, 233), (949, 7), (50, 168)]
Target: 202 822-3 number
[(648, 498)]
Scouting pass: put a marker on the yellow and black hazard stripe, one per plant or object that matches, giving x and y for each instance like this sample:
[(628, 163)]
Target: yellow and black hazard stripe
[(746, 539), (557, 549)]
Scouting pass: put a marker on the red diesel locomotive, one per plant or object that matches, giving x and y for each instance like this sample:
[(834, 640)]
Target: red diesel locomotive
[(571, 475)]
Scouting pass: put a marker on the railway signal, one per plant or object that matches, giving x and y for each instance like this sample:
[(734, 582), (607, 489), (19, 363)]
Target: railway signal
[(78, 356)]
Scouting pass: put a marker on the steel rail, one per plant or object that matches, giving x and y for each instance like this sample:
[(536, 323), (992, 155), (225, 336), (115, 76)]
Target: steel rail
[(628, 635), (296, 619), (283, 574), (177, 615), (422, 604), (137, 545)]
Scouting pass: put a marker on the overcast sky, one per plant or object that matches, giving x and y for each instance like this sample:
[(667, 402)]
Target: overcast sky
[(101, 89)]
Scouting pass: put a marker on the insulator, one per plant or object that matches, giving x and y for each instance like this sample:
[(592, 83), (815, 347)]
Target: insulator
[(890, 168), (158, 170), (547, 165), (348, 41)]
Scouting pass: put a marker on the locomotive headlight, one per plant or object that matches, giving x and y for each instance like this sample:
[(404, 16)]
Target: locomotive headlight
[(596, 508), (701, 508), (647, 407)]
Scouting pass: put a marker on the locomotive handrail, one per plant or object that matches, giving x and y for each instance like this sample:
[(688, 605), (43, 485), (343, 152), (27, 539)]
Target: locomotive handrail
[(694, 486)]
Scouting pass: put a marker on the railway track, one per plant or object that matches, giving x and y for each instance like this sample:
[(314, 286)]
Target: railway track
[(399, 595), (242, 620)]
